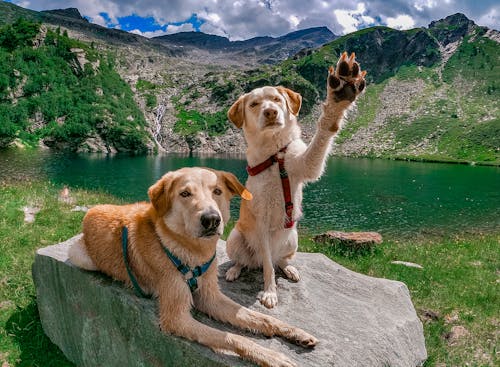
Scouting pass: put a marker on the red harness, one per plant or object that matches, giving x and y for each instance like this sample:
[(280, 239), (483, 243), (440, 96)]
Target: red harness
[(285, 182)]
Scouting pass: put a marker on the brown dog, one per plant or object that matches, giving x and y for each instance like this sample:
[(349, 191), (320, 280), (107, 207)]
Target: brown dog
[(185, 218)]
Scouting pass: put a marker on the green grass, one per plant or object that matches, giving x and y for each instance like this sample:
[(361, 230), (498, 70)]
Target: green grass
[(189, 122), (22, 341), (145, 85), (460, 277)]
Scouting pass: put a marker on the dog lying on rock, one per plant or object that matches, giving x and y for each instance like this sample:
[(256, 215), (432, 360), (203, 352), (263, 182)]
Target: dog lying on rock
[(279, 163), (166, 249)]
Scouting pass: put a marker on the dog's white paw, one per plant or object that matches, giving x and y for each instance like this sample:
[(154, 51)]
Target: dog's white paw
[(269, 358), (303, 339), (268, 298), (278, 360), (291, 273), (233, 273)]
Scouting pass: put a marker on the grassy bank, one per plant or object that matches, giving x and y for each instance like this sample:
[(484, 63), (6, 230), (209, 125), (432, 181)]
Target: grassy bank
[(22, 341), (458, 285)]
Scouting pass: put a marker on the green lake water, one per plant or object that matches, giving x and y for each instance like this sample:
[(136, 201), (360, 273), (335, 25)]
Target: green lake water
[(395, 198)]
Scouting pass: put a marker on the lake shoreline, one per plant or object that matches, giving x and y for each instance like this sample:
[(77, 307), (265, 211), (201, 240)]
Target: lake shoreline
[(239, 155)]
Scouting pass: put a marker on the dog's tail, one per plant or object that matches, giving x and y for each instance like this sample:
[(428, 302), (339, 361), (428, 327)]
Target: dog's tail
[(79, 256)]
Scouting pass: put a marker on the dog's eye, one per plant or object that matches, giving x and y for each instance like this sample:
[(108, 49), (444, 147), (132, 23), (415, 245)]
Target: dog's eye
[(277, 99), (217, 191), (253, 104), (185, 194)]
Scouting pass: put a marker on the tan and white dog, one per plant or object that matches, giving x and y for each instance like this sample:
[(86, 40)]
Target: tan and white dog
[(184, 220), (265, 234)]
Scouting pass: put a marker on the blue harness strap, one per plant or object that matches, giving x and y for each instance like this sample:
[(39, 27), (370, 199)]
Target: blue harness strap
[(196, 272), (136, 285), (191, 280)]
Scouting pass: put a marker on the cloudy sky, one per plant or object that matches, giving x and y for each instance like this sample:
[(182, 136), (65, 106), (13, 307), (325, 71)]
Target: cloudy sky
[(243, 19)]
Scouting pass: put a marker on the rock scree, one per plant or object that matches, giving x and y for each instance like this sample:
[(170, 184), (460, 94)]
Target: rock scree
[(359, 320)]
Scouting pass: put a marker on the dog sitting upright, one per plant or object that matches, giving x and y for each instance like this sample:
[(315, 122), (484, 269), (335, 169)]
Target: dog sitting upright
[(166, 248), (279, 163)]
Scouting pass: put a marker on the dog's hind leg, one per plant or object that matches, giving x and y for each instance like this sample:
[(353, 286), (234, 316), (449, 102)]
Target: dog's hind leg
[(79, 256), (237, 251)]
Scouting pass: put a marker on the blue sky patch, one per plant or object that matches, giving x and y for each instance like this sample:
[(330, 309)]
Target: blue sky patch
[(145, 24)]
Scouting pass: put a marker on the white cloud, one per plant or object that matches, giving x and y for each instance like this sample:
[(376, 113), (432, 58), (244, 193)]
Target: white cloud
[(99, 19), (346, 20), (490, 19), (401, 22), (294, 21), (23, 4), (351, 20), (186, 27), (420, 5), (212, 17), (211, 29), (159, 32)]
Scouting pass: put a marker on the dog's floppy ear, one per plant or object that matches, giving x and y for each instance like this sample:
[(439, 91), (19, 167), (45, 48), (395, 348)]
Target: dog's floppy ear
[(293, 99), (159, 194), (236, 113), (234, 185)]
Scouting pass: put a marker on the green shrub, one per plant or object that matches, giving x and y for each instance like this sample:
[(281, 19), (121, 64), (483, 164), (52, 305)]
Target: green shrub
[(189, 122), (143, 85), (150, 100)]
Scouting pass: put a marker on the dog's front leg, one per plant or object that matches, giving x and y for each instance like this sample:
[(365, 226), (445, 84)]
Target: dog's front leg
[(175, 318), (344, 84), (215, 304), (269, 296)]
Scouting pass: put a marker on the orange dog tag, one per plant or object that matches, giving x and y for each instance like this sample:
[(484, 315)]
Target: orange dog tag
[(247, 195)]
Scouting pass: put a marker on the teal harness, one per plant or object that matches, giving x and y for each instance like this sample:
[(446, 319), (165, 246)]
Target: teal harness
[(190, 275)]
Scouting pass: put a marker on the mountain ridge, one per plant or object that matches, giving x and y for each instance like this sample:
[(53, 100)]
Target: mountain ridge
[(205, 40)]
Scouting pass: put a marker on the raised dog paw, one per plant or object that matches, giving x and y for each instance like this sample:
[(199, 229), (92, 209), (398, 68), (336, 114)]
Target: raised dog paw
[(346, 81), (291, 273), (268, 298)]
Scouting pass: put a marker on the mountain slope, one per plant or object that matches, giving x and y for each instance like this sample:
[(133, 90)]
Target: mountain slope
[(64, 93), (432, 93), (444, 110)]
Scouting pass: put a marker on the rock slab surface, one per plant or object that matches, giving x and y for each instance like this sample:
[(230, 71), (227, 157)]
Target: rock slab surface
[(359, 320)]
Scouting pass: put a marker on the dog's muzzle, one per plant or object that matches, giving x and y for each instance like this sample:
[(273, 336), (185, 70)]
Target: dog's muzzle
[(210, 221)]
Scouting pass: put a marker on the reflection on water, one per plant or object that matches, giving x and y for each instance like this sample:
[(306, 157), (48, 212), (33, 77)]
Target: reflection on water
[(392, 197)]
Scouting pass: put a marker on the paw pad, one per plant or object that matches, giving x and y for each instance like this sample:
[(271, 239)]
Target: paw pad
[(346, 81)]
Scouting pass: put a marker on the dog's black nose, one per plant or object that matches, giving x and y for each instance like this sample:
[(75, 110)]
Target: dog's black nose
[(270, 113), (210, 219)]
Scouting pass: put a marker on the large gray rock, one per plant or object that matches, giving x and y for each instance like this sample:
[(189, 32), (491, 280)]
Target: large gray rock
[(359, 320)]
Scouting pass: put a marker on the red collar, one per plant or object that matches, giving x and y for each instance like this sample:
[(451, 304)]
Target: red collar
[(285, 182)]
